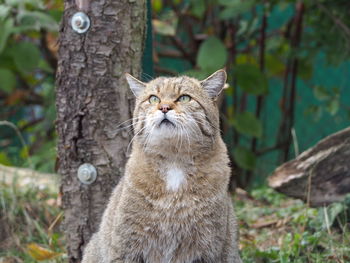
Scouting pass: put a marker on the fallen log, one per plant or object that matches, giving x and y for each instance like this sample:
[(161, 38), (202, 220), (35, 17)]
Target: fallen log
[(25, 177), (320, 175)]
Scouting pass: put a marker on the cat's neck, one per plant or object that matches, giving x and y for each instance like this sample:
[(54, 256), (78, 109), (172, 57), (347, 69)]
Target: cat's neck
[(176, 154), (171, 171)]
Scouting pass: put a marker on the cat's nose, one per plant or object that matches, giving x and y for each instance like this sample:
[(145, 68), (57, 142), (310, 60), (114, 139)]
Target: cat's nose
[(164, 108)]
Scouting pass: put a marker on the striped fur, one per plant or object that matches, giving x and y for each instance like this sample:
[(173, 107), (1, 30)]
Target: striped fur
[(172, 205)]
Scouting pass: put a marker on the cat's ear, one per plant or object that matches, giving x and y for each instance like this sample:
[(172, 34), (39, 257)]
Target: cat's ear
[(135, 85), (215, 83)]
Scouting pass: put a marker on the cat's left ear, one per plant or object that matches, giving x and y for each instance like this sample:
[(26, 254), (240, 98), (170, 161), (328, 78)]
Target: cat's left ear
[(135, 85), (215, 83)]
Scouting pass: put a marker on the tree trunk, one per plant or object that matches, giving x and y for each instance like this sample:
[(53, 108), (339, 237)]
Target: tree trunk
[(319, 176), (92, 99)]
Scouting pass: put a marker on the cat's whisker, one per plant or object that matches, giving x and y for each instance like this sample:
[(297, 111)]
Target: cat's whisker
[(127, 149), (129, 126), (147, 76), (195, 129), (204, 121), (180, 133), (131, 119), (148, 137), (187, 137)]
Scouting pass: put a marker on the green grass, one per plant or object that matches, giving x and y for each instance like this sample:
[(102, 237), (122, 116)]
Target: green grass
[(28, 215), (279, 229), (273, 228)]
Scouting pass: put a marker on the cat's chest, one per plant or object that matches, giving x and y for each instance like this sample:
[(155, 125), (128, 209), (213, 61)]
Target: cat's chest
[(175, 174), (174, 177)]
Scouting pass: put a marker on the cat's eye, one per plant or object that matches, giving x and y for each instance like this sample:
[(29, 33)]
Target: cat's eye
[(154, 99), (184, 98)]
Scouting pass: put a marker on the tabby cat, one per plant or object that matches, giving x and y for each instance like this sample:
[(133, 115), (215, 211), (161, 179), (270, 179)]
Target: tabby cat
[(172, 205)]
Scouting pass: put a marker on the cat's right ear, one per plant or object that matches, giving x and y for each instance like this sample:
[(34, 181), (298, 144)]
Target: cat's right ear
[(135, 85), (215, 83)]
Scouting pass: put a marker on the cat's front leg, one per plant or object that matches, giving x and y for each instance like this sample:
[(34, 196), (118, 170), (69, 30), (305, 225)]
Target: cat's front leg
[(230, 253)]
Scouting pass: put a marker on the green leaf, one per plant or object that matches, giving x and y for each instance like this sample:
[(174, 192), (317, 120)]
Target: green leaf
[(55, 14), (247, 124), (305, 69), (333, 106), (212, 54), (244, 158), (236, 3), (4, 160), (198, 8), (157, 5), (6, 27), (274, 65), (321, 93), (332, 211), (37, 20), (26, 56), (251, 80), (8, 80), (4, 11), (198, 74), (235, 8)]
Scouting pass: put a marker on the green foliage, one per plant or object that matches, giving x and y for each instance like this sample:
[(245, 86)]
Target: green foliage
[(217, 51), (30, 220), (244, 158), (26, 56), (281, 230), (246, 123), (166, 24), (198, 8), (250, 79), (8, 80), (329, 101), (269, 49), (28, 35), (234, 8), (273, 228)]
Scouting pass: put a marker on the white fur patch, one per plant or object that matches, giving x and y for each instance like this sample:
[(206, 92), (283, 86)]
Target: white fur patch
[(175, 177)]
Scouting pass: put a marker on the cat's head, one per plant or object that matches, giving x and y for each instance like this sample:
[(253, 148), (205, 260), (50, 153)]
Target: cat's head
[(179, 111)]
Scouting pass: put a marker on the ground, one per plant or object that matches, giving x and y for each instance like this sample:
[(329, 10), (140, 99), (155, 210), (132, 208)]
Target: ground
[(273, 228)]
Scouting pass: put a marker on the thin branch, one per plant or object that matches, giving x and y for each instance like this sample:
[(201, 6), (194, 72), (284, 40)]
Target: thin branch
[(336, 20), (165, 71), (170, 54), (295, 41), (179, 45), (50, 58), (259, 102)]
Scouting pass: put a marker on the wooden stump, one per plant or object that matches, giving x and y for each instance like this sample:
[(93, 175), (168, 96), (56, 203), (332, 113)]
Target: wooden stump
[(320, 175)]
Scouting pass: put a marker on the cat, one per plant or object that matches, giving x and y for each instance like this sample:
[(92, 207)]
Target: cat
[(172, 205)]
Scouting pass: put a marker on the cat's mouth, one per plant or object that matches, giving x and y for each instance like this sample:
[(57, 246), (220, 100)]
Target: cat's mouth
[(166, 122)]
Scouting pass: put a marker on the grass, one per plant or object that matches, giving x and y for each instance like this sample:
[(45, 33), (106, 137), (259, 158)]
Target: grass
[(273, 228), (29, 224)]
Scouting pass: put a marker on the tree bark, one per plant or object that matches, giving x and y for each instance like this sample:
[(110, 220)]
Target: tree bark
[(319, 176), (92, 99)]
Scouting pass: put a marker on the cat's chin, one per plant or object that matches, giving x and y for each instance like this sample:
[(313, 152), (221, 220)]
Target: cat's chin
[(165, 130), (166, 123)]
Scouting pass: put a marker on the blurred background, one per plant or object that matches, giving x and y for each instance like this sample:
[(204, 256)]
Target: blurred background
[(287, 64), (288, 73)]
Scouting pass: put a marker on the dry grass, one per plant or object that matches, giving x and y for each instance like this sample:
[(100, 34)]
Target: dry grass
[(273, 228)]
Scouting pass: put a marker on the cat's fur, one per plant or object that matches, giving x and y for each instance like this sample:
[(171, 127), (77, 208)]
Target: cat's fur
[(172, 205)]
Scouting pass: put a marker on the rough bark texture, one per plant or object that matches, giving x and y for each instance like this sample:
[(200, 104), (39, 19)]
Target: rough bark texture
[(320, 175), (92, 99)]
